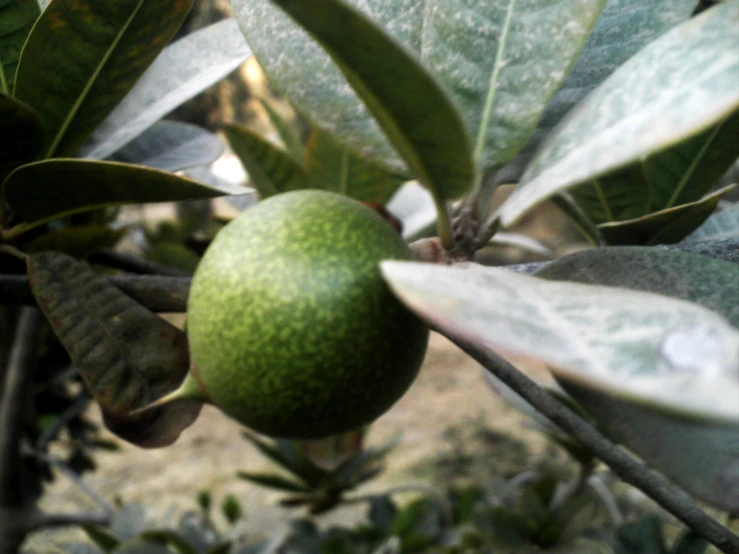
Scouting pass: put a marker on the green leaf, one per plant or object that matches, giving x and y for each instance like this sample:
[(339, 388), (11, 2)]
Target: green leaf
[(47, 190), (636, 345), (184, 69), (723, 224), (22, 134), (139, 546), (644, 536), (331, 166), (273, 481), (676, 88), (289, 137), (421, 122), (165, 537), (82, 57), (271, 169), (231, 509), (78, 242), (171, 146), (173, 254), (665, 226), (677, 176), (287, 455), (690, 542), (101, 537), (16, 19), (126, 355), (624, 28)]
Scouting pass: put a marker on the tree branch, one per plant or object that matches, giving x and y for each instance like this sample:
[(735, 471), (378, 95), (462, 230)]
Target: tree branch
[(77, 480), (134, 264), (628, 468), (42, 520), (12, 407), (159, 294)]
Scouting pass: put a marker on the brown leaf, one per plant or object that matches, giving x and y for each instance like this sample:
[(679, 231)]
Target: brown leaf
[(127, 355)]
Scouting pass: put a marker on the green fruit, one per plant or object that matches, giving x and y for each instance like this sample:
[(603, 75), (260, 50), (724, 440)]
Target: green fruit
[(292, 330)]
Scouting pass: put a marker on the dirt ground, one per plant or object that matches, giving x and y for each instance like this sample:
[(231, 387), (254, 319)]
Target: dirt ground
[(452, 426)]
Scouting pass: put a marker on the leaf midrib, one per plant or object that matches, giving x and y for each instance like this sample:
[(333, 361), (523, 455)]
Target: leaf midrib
[(90, 83), (492, 87)]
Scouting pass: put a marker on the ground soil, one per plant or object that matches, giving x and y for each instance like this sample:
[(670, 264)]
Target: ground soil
[(452, 425)]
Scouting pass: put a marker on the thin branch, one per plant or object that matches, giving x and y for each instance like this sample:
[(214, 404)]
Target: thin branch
[(14, 395), (628, 468), (134, 264), (159, 294), (76, 479), (64, 418), (43, 520)]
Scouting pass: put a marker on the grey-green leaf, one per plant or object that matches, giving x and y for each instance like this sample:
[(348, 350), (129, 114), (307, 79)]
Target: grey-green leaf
[(671, 354), (503, 61), (723, 224), (421, 122), (676, 88), (705, 281), (171, 146), (699, 456), (16, 19), (181, 71), (624, 28), (42, 191), (499, 61)]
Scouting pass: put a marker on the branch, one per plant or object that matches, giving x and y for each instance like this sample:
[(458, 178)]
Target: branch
[(628, 468), (12, 407), (43, 520), (158, 293), (76, 479), (134, 264)]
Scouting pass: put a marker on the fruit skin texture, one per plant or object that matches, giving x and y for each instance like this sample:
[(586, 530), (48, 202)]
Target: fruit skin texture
[(293, 332)]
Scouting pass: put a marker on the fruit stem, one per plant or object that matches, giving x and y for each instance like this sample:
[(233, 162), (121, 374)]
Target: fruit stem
[(190, 389)]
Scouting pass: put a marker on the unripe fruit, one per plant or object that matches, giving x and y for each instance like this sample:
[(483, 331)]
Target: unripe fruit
[(292, 330)]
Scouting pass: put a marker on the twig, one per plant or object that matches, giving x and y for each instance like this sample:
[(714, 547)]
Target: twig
[(14, 396), (64, 418), (606, 498), (134, 264), (629, 469), (42, 520), (76, 479), (159, 294)]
